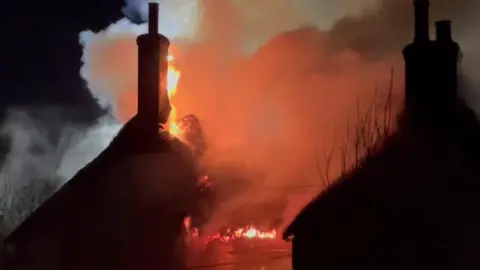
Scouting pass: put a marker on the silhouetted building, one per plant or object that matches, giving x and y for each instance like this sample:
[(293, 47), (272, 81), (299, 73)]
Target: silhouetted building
[(430, 70), (413, 202), (125, 209)]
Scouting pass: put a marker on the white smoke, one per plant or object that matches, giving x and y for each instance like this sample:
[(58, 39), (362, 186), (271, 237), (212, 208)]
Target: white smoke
[(39, 161), (306, 83), (29, 167), (226, 31), (187, 23), (178, 20), (87, 145), (36, 166)]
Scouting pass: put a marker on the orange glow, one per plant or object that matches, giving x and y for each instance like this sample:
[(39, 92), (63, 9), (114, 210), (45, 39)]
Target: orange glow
[(247, 232), (252, 232), (173, 76)]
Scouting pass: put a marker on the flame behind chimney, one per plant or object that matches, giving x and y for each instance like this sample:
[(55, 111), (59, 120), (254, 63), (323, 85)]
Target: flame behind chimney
[(152, 76)]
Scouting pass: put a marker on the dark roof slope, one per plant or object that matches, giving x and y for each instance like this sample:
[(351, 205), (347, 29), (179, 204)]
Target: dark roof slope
[(75, 193), (422, 174)]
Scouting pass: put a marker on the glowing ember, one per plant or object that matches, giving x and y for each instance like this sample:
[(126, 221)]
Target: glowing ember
[(194, 232), (187, 222), (248, 232), (252, 232), (173, 76), (204, 182)]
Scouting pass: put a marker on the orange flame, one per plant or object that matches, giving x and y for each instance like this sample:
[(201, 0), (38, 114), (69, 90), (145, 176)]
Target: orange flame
[(251, 232), (173, 76), (248, 232)]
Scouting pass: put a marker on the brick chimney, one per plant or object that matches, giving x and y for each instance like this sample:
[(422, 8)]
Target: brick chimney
[(152, 74)]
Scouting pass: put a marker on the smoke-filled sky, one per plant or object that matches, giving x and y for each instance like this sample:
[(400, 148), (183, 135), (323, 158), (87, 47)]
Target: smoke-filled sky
[(269, 100), (271, 80)]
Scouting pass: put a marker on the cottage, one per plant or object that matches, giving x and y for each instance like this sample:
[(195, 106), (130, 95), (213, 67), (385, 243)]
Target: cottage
[(413, 203), (124, 210)]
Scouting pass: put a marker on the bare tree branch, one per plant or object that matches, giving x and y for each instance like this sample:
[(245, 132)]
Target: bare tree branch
[(324, 172), (372, 127)]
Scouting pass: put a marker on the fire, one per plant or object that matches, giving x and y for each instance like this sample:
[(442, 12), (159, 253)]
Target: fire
[(249, 232), (173, 76), (252, 232)]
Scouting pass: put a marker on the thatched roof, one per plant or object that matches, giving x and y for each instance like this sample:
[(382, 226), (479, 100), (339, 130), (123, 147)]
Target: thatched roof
[(76, 193), (424, 173)]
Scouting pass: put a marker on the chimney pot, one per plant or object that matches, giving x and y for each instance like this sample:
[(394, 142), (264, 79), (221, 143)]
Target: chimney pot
[(421, 20), (153, 18), (444, 30)]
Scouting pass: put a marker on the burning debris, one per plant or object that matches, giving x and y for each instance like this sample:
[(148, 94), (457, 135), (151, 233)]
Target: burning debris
[(248, 232), (189, 131), (232, 246), (230, 234)]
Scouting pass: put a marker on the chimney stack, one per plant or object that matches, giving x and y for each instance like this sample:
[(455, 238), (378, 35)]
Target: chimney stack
[(153, 18), (421, 20), (444, 31), (431, 71), (152, 75)]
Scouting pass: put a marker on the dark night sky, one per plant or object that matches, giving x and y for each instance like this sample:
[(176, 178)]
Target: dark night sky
[(40, 59)]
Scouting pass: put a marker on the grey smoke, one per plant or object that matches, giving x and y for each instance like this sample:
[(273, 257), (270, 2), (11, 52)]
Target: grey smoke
[(44, 152), (136, 10), (29, 171)]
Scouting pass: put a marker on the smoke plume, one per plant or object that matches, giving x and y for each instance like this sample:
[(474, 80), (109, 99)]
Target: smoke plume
[(271, 81), (266, 79), (45, 149)]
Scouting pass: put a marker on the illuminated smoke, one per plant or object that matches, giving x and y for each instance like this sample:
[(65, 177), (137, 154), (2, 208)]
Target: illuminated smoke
[(266, 102), (266, 99), (271, 80)]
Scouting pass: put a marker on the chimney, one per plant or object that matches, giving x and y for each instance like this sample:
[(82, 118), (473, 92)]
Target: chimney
[(153, 18), (447, 56), (421, 20), (152, 75), (444, 31)]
